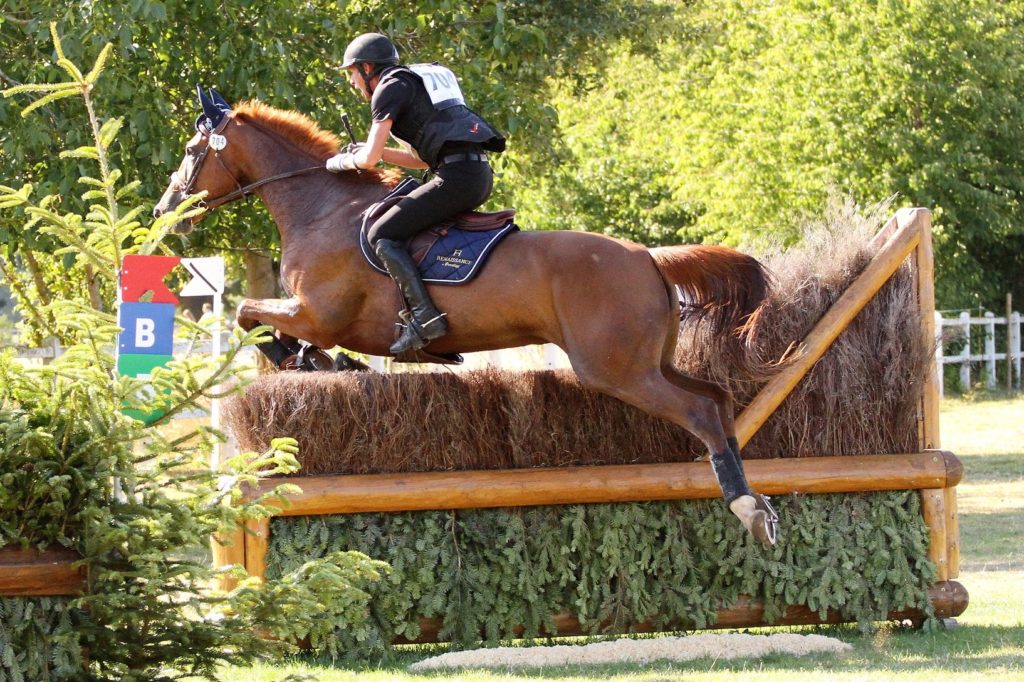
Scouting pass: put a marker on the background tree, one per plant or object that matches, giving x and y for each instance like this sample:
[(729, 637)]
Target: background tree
[(752, 118), (284, 52)]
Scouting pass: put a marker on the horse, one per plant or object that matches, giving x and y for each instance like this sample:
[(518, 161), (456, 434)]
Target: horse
[(610, 304)]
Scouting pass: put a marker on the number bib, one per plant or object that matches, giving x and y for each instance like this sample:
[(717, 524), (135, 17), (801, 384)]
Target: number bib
[(441, 84)]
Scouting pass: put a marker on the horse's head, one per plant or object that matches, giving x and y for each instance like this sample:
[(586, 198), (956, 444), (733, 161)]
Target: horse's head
[(197, 172)]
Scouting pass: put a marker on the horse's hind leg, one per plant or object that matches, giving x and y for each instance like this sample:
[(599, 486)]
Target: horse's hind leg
[(698, 407)]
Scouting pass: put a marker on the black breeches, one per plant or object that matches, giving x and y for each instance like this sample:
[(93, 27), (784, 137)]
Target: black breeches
[(457, 187)]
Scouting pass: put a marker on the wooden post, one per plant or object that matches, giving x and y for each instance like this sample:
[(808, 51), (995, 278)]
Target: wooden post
[(1009, 343), (902, 242), (952, 532), (934, 507), (227, 550), (939, 355), (990, 349), (1015, 335), (965, 354), (257, 539), (924, 266)]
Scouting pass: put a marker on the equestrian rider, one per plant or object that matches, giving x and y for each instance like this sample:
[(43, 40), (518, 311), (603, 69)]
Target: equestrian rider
[(422, 107)]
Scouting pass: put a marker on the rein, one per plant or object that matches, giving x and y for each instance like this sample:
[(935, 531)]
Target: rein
[(247, 190), (216, 142)]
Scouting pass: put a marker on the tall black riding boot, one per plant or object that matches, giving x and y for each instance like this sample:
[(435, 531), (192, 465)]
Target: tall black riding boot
[(426, 322)]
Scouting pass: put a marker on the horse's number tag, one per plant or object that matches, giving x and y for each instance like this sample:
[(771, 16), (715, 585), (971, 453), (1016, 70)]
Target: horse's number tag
[(218, 142)]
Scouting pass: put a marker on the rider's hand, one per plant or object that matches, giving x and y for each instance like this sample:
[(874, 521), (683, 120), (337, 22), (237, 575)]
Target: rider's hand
[(353, 147), (342, 162)]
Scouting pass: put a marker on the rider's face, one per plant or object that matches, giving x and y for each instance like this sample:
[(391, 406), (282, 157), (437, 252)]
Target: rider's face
[(357, 81)]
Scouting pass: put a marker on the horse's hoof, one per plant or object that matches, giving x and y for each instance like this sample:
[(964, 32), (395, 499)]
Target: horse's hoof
[(312, 359), (765, 522), (764, 529)]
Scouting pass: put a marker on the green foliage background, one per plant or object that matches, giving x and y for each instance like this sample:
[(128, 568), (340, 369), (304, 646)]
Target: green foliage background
[(485, 572), (737, 129), (662, 122)]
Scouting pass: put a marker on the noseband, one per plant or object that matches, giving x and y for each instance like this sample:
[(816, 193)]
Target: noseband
[(216, 142)]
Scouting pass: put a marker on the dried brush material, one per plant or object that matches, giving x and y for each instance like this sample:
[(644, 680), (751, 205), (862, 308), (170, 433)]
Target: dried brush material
[(861, 397), (361, 422)]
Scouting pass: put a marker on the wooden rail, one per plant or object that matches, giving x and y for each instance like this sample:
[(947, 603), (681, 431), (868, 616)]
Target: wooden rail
[(49, 573), (611, 483), (927, 471), (948, 599)]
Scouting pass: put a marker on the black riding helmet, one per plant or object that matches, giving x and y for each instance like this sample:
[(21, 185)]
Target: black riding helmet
[(370, 48)]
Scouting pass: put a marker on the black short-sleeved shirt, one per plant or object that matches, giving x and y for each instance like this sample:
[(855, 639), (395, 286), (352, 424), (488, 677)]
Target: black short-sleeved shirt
[(404, 100)]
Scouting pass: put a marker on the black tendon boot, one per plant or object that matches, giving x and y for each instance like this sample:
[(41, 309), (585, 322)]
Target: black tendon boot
[(752, 509), (426, 322)]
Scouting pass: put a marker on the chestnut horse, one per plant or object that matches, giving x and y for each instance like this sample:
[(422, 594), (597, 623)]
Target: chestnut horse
[(610, 304)]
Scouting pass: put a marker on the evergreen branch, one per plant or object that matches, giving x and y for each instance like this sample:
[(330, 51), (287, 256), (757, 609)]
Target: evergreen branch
[(17, 287), (46, 100), (39, 87), (94, 74)]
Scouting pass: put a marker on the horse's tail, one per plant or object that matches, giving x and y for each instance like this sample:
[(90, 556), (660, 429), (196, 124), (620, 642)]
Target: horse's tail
[(723, 287)]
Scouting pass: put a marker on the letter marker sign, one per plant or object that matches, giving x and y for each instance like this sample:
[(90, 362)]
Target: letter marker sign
[(146, 312)]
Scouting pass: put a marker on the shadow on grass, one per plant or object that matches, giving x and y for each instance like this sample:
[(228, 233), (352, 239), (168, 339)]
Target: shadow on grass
[(992, 468), (991, 541), (889, 648)]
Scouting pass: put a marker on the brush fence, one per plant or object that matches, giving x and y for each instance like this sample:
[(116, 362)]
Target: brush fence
[(931, 471)]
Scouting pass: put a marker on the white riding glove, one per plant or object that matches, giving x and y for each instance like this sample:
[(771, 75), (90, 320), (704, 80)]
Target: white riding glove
[(342, 162)]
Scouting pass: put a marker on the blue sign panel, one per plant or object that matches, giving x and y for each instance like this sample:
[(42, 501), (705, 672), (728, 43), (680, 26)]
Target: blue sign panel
[(148, 328)]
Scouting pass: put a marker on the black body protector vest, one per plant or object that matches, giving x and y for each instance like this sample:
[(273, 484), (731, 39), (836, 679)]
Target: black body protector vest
[(451, 120)]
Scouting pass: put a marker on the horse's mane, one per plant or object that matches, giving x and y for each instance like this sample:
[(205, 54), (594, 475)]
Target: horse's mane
[(307, 135)]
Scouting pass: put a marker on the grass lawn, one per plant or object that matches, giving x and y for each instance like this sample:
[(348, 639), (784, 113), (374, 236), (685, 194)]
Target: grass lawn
[(988, 436)]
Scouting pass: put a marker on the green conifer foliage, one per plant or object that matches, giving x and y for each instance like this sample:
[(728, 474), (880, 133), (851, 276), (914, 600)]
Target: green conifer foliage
[(137, 505), (486, 572)]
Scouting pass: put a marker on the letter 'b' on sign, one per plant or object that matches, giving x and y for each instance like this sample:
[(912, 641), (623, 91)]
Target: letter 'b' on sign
[(148, 328), (144, 336)]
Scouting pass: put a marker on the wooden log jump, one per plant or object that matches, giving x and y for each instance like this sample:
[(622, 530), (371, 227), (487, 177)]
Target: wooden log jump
[(614, 483), (933, 472)]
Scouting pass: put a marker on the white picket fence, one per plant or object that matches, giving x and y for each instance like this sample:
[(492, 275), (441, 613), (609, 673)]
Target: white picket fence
[(957, 331)]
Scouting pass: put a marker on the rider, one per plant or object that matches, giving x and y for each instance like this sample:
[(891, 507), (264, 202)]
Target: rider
[(422, 107)]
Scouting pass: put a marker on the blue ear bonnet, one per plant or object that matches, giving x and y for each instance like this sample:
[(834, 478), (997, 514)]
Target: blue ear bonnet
[(215, 108)]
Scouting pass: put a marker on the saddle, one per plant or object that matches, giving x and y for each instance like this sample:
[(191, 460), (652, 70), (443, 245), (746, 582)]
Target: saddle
[(451, 252)]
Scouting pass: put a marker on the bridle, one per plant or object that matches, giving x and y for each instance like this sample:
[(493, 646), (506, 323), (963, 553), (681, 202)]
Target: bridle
[(217, 142)]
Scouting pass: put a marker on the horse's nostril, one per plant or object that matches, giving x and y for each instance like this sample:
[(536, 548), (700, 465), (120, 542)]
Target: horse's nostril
[(157, 212)]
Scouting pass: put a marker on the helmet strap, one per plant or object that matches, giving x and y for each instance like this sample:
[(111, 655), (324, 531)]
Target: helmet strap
[(366, 79)]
